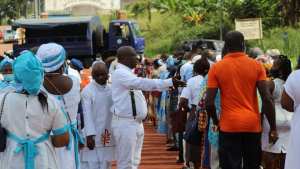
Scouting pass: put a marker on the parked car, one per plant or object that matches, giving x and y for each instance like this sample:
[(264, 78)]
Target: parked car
[(214, 45), (8, 35)]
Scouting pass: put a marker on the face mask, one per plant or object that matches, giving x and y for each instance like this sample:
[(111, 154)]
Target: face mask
[(8, 77), (176, 60)]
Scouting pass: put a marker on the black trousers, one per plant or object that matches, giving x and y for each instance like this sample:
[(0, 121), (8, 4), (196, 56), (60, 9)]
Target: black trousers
[(240, 150), (180, 143)]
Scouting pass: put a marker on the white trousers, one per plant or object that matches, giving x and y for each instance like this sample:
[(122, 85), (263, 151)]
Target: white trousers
[(129, 138), (96, 165)]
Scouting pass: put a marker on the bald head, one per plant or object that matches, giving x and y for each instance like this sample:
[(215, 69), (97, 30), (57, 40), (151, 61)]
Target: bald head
[(125, 51), (100, 72), (127, 56), (234, 42)]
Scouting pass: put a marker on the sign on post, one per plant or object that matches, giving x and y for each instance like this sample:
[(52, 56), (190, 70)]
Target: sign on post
[(251, 28)]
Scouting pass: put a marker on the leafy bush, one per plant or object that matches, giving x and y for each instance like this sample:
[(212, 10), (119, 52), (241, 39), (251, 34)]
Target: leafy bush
[(275, 39)]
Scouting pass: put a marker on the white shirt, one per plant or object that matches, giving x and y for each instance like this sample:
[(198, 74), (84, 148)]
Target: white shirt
[(97, 119), (123, 79), (192, 90), (24, 117), (74, 73), (292, 89), (186, 71), (283, 123)]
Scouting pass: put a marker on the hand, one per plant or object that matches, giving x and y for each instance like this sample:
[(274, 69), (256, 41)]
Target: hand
[(178, 83), (90, 140), (106, 137), (80, 146), (273, 136), (215, 128)]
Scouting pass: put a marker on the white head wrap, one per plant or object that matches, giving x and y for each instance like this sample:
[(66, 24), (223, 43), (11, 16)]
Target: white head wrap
[(52, 56), (195, 58)]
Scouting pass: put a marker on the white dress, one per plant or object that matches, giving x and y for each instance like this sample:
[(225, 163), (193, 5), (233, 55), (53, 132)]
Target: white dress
[(283, 123), (31, 123), (292, 89), (69, 103), (96, 104)]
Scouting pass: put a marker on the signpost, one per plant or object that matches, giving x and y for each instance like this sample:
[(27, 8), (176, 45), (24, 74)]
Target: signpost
[(251, 28)]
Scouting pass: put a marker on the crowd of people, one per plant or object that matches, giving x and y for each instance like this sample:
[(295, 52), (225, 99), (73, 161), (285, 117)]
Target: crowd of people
[(230, 113)]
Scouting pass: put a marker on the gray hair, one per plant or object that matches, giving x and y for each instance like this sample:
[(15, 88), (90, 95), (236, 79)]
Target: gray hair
[(98, 61)]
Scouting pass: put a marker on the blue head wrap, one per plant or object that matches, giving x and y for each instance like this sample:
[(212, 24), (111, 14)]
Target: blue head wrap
[(77, 63), (29, 72), (52, 56), (4, 62)]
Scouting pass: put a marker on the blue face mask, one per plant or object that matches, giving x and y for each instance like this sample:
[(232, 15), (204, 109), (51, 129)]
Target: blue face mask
[(8, 77)]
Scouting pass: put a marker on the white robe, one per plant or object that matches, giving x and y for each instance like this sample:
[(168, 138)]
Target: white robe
[(72, 98), (31, 123), (96, 104), (293, 152)]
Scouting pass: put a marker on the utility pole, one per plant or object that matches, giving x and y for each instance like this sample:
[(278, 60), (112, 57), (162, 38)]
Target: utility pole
[(221, 3)]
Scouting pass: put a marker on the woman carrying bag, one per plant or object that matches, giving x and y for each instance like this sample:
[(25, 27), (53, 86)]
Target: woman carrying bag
[(29, 116)]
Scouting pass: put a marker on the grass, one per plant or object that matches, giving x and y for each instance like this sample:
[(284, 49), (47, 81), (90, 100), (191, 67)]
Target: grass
[(275, 39)]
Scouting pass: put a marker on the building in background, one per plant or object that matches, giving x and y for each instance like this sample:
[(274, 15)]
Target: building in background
[(82, 7)]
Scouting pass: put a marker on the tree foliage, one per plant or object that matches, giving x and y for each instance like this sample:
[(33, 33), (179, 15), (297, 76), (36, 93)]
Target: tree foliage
[(13, 9), (273, 12)]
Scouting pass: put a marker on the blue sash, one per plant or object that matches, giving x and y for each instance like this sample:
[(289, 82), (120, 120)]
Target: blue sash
[(29, 148), (73, 131), (77, 139)]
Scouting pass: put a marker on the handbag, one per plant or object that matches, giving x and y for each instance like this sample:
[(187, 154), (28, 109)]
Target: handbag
[(3, 131), (192, 134)]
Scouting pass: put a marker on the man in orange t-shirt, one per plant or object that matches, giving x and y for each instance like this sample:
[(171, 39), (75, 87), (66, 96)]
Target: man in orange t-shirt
[(238, 77)]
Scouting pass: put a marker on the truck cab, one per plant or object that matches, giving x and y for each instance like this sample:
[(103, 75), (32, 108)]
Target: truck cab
[(125, 33)]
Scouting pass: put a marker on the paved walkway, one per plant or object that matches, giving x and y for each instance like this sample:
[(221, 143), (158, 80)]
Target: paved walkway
[(154, 155)]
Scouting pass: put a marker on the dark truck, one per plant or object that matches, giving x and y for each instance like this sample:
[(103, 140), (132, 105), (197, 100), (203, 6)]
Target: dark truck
[(83, 37)]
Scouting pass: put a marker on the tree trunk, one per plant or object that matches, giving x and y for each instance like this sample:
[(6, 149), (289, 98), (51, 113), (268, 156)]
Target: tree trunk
[(291, 9)]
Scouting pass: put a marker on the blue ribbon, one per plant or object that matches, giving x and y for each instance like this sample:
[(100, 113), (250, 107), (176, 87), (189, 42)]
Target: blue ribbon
[(73, 131), (77, 139), (28, 147)]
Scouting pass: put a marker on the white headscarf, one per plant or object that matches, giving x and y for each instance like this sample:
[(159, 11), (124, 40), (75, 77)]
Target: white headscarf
[(52, 56)]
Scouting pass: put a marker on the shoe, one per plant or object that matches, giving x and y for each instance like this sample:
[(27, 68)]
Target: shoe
[(173, 149)]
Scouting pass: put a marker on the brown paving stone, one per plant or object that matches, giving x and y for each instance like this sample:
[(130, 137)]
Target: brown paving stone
[(154, 155)]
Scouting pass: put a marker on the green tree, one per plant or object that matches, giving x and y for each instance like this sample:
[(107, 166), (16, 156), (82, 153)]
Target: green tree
[(13, 9)]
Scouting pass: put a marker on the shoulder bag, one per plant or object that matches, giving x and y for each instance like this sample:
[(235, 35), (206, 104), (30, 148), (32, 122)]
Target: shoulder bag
[(3, 131)]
